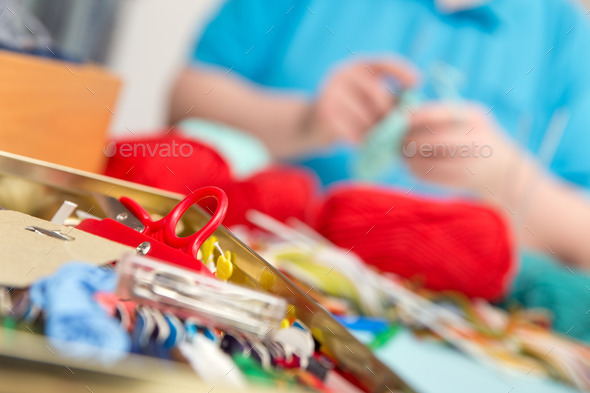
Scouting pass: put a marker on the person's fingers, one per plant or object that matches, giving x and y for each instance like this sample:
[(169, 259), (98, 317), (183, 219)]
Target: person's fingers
[(353, 106), (399, 69), (439, 114), (433, 136), (378, 100), (432, 115), (344, 114), (343, 128)]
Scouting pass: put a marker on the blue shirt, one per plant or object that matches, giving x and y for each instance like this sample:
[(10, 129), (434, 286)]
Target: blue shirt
[(523, 59)]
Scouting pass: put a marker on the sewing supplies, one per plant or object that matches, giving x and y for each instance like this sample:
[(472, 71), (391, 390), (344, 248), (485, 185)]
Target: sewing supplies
[(75, 324), (211, 364), (193, 295), (505, 342), (314, 258), (158, 239), (249, 270), (265, 191), (195, 165), (444, 245), (543, 283), (344, 220), (262, 189), (296, 341), (382, 147)]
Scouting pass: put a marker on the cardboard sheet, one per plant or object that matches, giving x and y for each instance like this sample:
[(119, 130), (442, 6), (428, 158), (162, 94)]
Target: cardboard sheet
[(26, 256)]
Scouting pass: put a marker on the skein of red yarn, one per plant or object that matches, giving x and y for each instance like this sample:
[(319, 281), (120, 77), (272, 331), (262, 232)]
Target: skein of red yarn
[(281, 192), (445, 245), (169, 162)]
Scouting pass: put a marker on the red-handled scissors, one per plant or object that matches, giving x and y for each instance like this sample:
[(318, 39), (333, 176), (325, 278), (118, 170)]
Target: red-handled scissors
[(158, 239), (164, 230)]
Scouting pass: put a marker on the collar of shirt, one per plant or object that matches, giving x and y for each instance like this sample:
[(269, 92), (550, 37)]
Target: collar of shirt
[(489, 14)]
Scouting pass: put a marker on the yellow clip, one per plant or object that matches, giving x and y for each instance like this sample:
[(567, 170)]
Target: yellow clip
[(285, 323), (224, 267), (207, 248), (230, 256)]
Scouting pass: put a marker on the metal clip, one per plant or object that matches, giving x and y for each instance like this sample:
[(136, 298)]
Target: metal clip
[(54, 234)]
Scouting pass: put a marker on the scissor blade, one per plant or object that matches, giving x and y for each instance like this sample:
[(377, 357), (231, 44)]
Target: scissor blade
[(114, 209)]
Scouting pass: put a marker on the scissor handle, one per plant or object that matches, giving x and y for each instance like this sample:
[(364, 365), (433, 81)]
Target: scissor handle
[(165, 229)]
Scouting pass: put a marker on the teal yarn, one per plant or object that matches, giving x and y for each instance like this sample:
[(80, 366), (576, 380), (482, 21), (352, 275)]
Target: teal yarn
[(382, 147), (244, 153), (383, 144), (543, 282)]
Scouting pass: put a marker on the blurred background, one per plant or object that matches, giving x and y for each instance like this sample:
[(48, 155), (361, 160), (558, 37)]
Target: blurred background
[(144, 42)]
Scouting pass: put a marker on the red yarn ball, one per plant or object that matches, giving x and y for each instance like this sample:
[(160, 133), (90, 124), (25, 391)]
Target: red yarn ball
[(280, 192), (169, 162), (446, 245)]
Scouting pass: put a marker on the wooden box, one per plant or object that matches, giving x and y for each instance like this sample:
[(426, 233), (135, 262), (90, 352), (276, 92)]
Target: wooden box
[(55, 111)]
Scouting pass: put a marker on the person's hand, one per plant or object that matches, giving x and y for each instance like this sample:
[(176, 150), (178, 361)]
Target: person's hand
[(355, 98), (460, 145)]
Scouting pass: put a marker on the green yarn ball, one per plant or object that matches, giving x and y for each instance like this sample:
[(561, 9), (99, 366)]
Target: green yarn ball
[(543, 282)]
